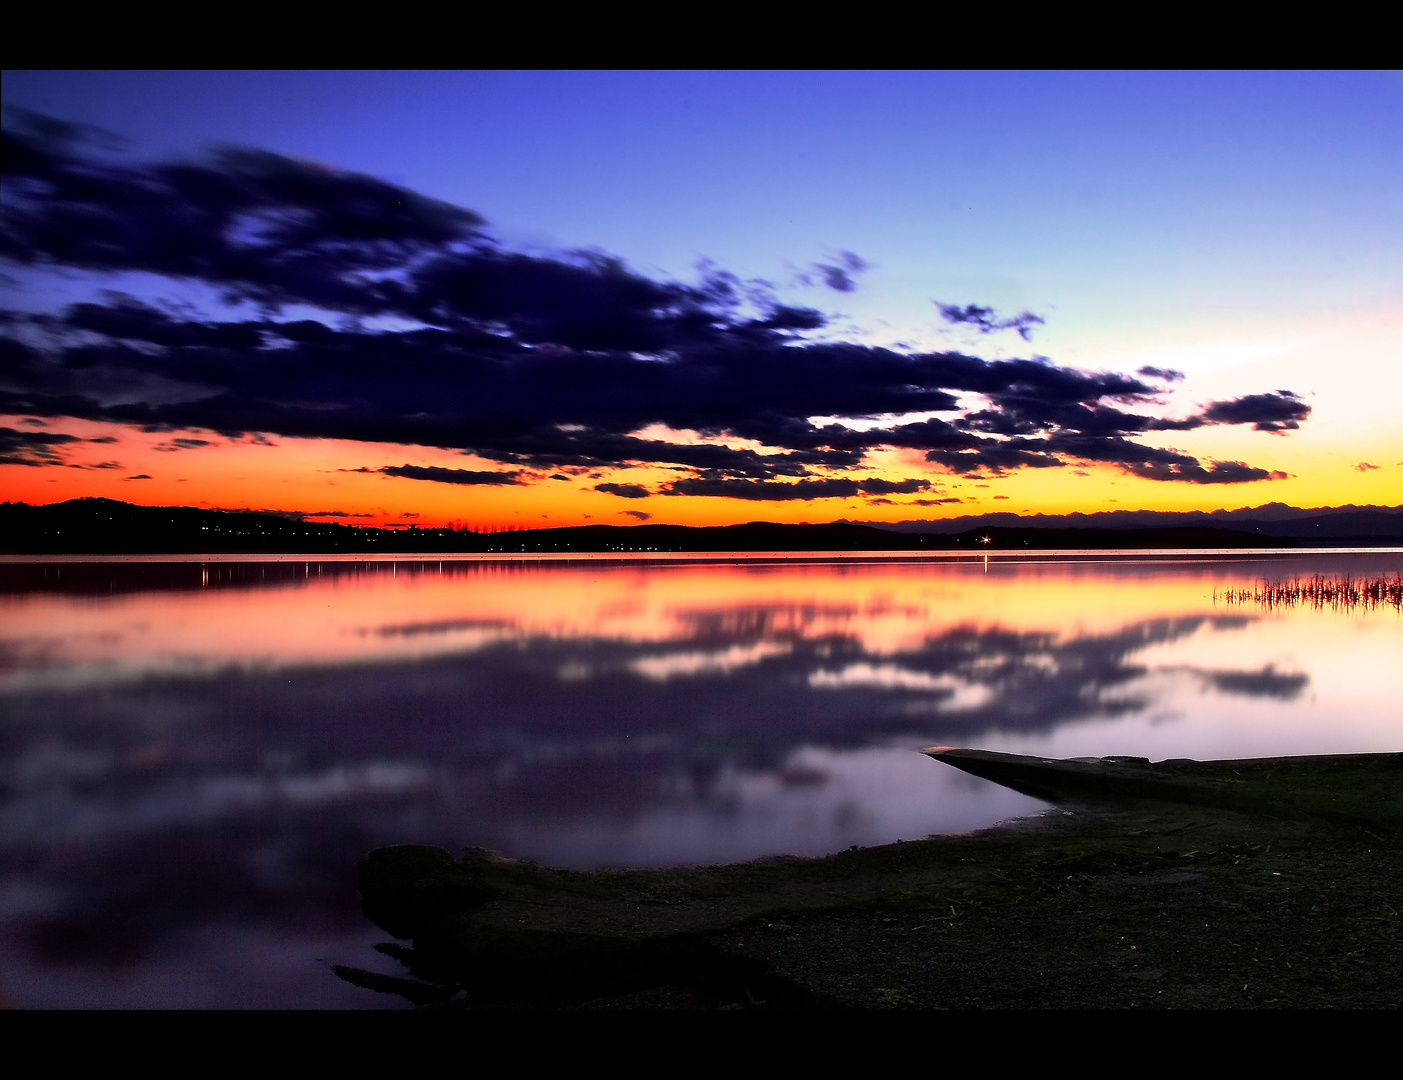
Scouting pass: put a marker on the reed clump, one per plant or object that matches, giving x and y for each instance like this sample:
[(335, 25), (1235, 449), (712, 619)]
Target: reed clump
[(1338, 593)]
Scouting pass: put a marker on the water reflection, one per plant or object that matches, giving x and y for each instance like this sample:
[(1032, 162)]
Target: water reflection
[(197, 755)]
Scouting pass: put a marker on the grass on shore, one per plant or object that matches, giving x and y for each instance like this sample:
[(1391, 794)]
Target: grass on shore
[(1338, 593), (1286, 891)]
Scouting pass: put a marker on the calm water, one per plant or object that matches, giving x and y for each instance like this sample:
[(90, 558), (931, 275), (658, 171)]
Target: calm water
[(193, 756)]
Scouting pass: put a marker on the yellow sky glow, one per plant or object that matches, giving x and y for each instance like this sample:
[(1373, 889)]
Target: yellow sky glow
[(317, 476)]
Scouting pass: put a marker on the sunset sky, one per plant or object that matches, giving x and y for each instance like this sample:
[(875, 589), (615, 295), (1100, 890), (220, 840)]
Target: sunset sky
[(550, 298)]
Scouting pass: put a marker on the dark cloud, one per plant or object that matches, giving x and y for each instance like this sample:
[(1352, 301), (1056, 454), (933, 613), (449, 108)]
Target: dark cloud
[(1167, 374), (782, 317), (893, 487), (839, 276), (450, 476), (1280, 411), (142, 476), (296, 515), (32, 447), (767, 491), (427, 332), (55, 133), (260, 226), (986, 320), (639, 514), (624, 491), (1220, 472), (763, 490), (1154, 463)]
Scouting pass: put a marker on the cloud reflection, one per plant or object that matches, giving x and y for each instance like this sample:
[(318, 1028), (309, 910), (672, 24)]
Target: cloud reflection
[(576, 714), (719, 661), (1267, 683), (954, 693)]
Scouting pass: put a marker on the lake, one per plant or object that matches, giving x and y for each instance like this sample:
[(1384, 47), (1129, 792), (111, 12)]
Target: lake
[(194, 754)]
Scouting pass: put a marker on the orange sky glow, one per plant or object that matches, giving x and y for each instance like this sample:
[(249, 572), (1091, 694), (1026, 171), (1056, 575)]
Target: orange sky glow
[(317, 477)]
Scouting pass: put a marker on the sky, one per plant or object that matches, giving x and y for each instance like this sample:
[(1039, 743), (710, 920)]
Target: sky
[(514, 299)]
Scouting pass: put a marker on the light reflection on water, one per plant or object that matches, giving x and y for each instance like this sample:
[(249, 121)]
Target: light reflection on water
[(193, 755)]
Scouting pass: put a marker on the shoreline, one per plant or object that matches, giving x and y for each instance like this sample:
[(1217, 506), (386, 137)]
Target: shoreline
[(1274, 882), (1000, 555)]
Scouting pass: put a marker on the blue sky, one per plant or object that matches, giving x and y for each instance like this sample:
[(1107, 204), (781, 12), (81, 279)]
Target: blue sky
[(1102, 196)]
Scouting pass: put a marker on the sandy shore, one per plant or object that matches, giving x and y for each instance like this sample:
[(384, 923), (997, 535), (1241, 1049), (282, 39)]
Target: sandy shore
[(1268, 883)]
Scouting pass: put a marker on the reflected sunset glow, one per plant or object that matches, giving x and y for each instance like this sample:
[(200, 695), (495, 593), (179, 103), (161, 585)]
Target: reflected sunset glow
[(352, 613), (269, 723)]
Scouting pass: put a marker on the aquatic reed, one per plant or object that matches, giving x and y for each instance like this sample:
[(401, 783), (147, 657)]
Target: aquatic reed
[(1345, 593)]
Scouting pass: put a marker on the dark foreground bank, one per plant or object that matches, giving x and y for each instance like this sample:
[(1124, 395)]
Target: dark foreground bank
[(1268, 883)]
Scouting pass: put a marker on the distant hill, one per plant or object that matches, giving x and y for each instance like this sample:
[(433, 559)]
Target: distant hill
[(1325, 524), (108, 527)]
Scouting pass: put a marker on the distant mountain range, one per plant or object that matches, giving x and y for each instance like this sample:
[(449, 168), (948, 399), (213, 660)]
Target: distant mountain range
[(108, 527), (1324, 523)]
